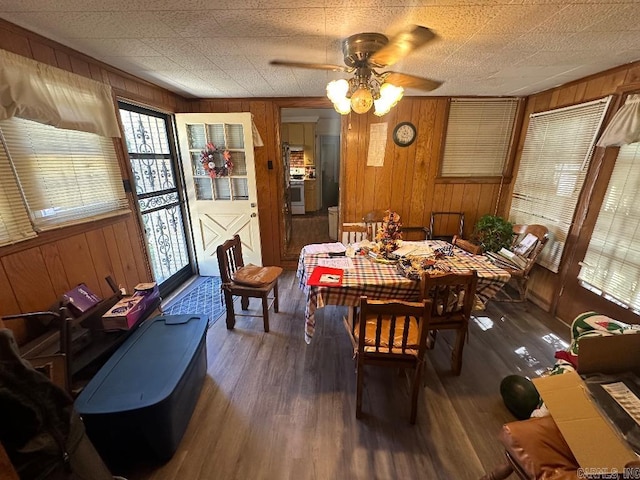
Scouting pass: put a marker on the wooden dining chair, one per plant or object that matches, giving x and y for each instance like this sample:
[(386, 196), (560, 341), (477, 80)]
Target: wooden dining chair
[(466, 245), (521, 275), (444, 225), (246, 281), (373, 221), (354, 232), (452, 298), (391, 333)]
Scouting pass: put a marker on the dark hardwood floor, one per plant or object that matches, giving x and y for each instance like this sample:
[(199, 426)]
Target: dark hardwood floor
[(307, 229), (273, 407)]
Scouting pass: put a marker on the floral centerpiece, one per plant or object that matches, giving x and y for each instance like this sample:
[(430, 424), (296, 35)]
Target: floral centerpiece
[(208, 158), (388, 234)]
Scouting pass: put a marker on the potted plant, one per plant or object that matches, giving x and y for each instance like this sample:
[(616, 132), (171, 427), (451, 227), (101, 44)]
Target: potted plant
[(493, 233)]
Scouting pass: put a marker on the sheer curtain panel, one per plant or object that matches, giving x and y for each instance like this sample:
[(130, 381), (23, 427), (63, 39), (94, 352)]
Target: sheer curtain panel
[(50, 95)]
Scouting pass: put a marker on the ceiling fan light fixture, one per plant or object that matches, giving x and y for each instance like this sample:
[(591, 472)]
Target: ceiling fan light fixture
[(337, 90), (361, 100), (342, 106), (390, 95)]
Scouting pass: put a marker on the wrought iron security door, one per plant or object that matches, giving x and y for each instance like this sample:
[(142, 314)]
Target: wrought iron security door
[(158, 190)]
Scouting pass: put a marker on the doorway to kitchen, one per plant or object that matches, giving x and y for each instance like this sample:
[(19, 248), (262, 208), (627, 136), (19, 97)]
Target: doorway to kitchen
[(311, 160)]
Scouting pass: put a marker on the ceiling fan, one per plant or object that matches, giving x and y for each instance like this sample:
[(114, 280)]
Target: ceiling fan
[(364, 53)]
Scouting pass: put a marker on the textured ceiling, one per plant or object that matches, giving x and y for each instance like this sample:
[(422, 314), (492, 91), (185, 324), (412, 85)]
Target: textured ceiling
[(221, 48)]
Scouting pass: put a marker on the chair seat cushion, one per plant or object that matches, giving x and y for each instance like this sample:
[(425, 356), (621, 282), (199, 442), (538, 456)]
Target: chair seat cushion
[(255, 276), (540, 449), (413, 337)]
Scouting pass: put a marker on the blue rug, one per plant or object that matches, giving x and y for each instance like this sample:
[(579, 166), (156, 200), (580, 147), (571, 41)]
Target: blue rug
[(203, 297)]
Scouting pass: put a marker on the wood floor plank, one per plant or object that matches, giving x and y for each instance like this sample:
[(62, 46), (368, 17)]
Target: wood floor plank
[(273, 407)]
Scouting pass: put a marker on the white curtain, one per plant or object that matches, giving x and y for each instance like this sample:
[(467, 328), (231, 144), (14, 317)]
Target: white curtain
[(624, 127), (257, 139), (52, 96)]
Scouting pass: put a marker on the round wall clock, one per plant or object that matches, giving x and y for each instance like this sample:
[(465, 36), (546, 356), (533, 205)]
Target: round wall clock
[(404, 134)]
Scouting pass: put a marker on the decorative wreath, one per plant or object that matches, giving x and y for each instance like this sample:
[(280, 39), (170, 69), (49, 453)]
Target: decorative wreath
[(208, 158)]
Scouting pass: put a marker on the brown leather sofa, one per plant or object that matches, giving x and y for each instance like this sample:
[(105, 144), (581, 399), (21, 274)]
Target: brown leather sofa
[(535, 449)]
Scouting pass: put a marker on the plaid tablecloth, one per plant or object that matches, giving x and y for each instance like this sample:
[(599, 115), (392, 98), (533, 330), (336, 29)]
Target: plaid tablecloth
[(377, 280)]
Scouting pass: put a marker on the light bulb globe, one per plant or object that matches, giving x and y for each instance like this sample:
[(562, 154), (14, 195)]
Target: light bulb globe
[(361, 100)]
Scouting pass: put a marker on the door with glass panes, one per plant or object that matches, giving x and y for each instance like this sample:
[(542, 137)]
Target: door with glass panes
[(154, 164), (218, 163)]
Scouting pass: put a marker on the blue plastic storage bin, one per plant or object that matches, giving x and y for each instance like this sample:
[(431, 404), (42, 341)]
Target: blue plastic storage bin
[(140, 402)]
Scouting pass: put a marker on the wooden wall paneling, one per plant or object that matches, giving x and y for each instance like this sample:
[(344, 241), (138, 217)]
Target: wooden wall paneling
[(12, 41), (486, 201), (63, 61), (125, 250), (401, 166), (457, 204), (55, 268), (472, 195), (365, 189), (118, 271), (98, 73), (581, 92), (433, 189), (78, 264), (138, 243), (29, 279), (612, 82), (542, 102), (268, 205), (8, 303), (383, 177), (101, 260), (633, 74), (354, 170), (414, 177), (43, 53), (80, 67), (415, 198)]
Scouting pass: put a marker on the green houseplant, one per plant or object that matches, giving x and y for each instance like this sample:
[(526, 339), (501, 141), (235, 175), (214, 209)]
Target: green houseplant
[(493, 233)]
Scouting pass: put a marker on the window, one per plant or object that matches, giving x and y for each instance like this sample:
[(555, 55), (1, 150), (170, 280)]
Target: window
[(478, 137), (554, 163), (611, 266), (55, 178)]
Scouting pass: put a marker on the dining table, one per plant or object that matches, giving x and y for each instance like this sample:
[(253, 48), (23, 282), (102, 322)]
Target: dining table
[(374, 279)]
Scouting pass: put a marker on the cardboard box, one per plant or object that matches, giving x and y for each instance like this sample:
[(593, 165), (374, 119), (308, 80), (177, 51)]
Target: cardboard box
[(81, 299), (593, 439), (124, 314)]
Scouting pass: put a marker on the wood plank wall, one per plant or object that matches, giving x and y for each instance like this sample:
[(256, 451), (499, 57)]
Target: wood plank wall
[(34, 273), (560, 293), (407, 182)]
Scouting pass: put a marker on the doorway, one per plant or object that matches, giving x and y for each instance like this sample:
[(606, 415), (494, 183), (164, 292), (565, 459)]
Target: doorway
[(158, 190), (311, 160)]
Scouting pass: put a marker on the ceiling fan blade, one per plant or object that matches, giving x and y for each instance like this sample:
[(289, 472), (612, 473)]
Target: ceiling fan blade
[(410, 81), (316, 66), (401, 45)]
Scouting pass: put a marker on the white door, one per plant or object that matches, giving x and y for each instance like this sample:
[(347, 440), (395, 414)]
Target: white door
[(222, 197)]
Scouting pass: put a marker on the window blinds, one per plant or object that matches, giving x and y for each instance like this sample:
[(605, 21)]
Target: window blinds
[(612, 261), (66, 176), (478, 137), (553, 166)]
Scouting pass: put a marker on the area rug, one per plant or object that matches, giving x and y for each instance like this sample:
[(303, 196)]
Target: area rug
[(203, 297)]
